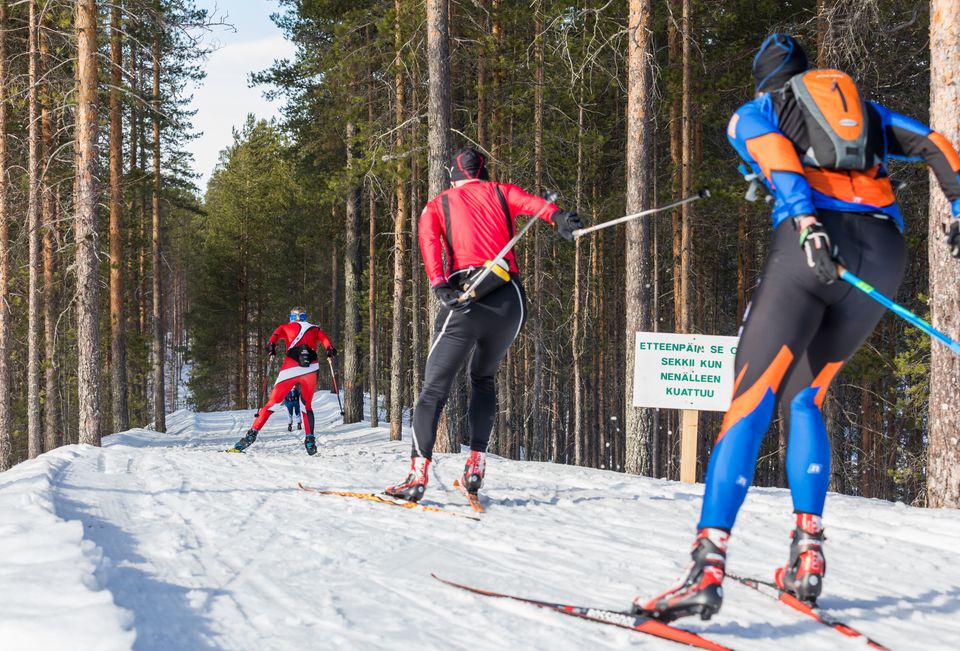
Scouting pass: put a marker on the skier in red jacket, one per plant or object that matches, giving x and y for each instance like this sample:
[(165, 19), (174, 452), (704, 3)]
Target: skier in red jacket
[(468, 225), (299, 366)]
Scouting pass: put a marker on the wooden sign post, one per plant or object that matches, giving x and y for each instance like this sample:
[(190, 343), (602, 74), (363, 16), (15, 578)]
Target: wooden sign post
[(689, 431)]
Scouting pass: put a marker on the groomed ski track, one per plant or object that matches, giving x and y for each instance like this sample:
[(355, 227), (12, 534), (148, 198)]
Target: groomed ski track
[(162, 541)]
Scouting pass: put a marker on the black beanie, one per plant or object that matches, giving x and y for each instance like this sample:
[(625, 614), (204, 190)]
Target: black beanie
[(468, 164), (780, 57)]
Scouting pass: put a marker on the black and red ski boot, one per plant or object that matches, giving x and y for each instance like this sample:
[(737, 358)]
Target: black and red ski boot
[(473, 471), (413, 487), (699, 591), (802, 576)]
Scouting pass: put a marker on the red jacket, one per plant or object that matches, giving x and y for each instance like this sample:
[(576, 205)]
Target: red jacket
[(470, 225), (291, 334)]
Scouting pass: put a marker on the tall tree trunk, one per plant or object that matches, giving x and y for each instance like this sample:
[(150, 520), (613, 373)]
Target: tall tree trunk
[(686, 243), (576, 340), (482, 48), (637, 264), (438, 108), (536, 328), (87, 266), (353, 355), (943, 452), (496, 80), (399, 254), (416, 273), (159, 352), (34, 340), (335, 283), (372, 364), (438, 142), (6, 420), (52, 433), (372, 312), (118, 346)]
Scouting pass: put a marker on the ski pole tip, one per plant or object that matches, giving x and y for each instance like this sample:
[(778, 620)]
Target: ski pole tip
[(704, 193)]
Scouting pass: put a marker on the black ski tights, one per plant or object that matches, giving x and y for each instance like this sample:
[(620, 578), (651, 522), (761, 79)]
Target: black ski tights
[(487, 328)]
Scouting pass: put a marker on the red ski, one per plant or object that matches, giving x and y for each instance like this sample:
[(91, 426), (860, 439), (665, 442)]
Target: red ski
[(773, 591), (473, 498), (640, 623)]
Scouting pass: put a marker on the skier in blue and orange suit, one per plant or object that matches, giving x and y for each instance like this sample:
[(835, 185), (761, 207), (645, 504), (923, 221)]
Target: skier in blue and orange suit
[(299, 367), (802, 325)]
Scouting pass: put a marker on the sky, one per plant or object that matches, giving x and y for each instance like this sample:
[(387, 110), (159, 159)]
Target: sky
[(224, 98)]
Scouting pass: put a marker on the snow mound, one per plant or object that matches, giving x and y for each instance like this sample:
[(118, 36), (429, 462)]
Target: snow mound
[(51, 576)]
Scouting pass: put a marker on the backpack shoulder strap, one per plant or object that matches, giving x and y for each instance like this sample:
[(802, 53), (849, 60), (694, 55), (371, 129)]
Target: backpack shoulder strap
[(504, 207)]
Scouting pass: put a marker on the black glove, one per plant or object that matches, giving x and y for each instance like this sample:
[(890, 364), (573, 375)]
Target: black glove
[(331, 352), (821, 255), (450, 298), (566, 223), (272, 349), (953, 238)]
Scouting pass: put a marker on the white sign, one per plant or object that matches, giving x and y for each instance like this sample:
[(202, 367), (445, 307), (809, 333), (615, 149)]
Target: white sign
[(674, 371)]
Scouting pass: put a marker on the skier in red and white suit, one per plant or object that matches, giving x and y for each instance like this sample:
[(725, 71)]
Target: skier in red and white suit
[(300, 365)]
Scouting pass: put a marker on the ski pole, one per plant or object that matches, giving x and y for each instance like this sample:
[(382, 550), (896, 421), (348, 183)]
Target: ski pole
[(469, 293), (333, 374), (263, 393), (899, 310), (580, 232)]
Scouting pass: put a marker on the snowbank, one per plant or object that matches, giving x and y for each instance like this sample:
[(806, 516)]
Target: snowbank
[(50, 576)]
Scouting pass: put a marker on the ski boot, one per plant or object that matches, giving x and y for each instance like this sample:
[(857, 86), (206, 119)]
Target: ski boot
[(299, 424), (246, 441), (699, 592), (413, 487), (802, 576), (473, 471), (310, 444), (290, 426)]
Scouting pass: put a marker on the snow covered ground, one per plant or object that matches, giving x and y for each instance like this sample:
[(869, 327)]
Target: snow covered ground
[(163, 542)]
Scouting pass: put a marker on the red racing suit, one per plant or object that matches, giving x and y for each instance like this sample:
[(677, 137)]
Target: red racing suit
[(298, 336), (471, 223)]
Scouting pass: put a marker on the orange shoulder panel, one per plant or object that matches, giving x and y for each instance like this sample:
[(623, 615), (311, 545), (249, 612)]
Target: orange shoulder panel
[(948, 150), (773, 152)]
